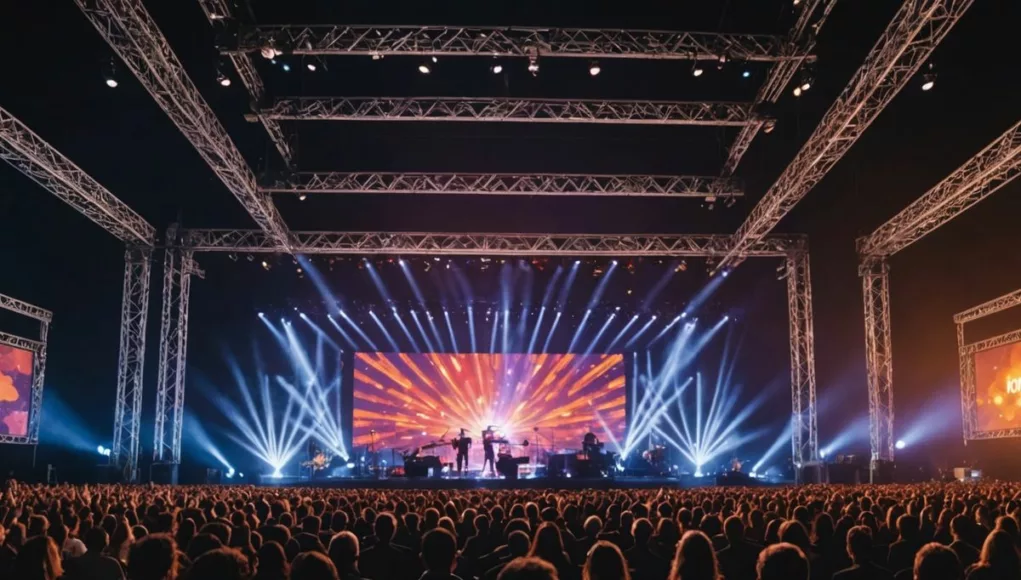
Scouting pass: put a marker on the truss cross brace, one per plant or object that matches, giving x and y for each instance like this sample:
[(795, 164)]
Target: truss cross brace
[(130, 362), (178, 267), (805, 438)]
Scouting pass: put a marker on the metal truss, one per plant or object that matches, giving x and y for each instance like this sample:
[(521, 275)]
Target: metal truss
[(812, 16), (408, 243), (133, 34), (178, 267), (993, 306), (980, 176), (805, 434), (515, 42), (25, 309), (37, 159), (128, 410), (878, 358), (969, 400), (508, 184), (512, 110), (916, 30), (219, 11), (38, 362)]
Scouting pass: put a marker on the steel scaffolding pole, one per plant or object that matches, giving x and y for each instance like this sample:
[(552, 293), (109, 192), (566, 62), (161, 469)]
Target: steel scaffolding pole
[(130, 362), (178, 267), (129, 29), (916, 30), (507, 184), (878, 358), (463, 109), (337, 40), (805, 435)]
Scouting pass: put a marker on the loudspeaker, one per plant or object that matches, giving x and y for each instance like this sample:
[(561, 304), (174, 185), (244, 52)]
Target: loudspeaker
[(882, 471), (213, 476), (106, 473), (848, 473), (163, 473), (811, 473)]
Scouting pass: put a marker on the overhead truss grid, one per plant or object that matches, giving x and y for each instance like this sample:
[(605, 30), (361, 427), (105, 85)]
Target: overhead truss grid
[(511, 110), (515, 41), (507, 184)]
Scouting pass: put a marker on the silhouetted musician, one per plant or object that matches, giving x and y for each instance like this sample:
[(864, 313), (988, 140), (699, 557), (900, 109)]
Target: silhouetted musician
[(463, 443), (488, 438), (591, 444)]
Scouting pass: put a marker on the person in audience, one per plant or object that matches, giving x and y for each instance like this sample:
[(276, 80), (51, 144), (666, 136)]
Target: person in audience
[(549, 546), (313, 566), (38, 559), (153, 557), (902, 552), (860, 550), (344, 555), (528, 568), (936, 562), (782, 561), (695, 559), (220, 564), (272, 563), (439, 553), (998, 559), (737, 560), (605, 562), (966, 553)]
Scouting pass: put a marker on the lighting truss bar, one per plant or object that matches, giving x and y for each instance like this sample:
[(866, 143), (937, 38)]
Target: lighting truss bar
[(511, 111), (916, 30), (334, 40), (218, 11), (25, 309), (178, 267), (991, 307), (508, 184), (805, 433), (812, 16), (878, 359), (130, 362), (407, 243), (37, 159), (980, 176), (132, 33)]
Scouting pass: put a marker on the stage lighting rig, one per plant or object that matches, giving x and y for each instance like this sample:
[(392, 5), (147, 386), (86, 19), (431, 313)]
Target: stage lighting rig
[(594, 69), (533, 61), (425, 68), (496, 68), (929, 78), (721, 62), (696, 69), (110, 74)]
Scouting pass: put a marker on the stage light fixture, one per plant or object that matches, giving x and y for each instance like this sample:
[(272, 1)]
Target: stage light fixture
[(768, 126), (302, 196), (110, 74), (265, 265), (746, 74), (806, 80), (696, 69), (533, 65), (594, 69), (286, 67), (721, 62), (496, 68), (424, 68), (797, 91), (222, 79), (900, 444), (929, 78), (311, 66)]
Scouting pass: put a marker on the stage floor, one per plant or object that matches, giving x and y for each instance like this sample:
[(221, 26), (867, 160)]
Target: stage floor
[(468, 483)]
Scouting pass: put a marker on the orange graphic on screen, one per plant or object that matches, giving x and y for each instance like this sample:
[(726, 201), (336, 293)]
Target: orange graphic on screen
[(15, 389), (409, 400), (998, 387)]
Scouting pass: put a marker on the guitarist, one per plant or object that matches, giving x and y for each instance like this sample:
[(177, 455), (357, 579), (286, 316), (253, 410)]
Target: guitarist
[(487, 446), (462, 444)]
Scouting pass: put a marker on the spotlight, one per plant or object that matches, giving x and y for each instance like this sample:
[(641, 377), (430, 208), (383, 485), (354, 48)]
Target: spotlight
[(276, 474), (265, 265), (496, 68), (241, 474), (929, 79), (222, 79), (822, 453), (110, 74), (806, 80), (768, 126), (533, 65), (746, 73), (311, 67), (797, 91), (261, 315), (286, 67), (350, 465), (900, 444), (721, 62), (424, 68), (594, 68), (696, 69), (302, 196), (101, 450)]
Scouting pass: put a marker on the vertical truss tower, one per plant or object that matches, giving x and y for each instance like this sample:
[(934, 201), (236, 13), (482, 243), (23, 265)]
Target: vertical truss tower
[(128, 410), (805, 436)]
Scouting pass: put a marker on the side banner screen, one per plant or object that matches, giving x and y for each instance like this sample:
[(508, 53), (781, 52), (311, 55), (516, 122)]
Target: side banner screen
[(15, 390), (998, 387)]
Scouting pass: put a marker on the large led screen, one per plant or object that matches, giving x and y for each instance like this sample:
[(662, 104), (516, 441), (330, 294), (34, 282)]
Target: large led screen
[(15, 390), (404, 401), (998, 388)]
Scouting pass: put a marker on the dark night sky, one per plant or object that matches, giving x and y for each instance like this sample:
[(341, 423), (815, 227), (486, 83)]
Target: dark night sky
[(56, 258)]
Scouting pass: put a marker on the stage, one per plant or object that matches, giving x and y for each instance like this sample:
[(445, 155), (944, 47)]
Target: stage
[(568, 483)]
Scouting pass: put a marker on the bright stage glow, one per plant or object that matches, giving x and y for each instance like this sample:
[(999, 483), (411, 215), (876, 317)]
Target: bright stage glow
[(400, 396), (900, 444)]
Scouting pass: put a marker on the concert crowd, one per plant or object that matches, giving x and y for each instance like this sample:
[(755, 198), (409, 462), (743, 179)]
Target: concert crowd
[(112, 532)]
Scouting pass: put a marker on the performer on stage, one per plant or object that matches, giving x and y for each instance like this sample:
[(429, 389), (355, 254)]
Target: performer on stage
[(463, 443), (487, 446)]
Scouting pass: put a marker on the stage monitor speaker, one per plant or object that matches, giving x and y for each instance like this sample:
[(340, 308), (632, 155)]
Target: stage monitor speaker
[(882, 471), (162, 473), (735, 478), (106, 473), (811, 473)]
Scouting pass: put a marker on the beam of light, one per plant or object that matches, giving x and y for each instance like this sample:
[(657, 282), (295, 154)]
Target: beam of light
[(667, 328), (319, 331), (578, 331), (535, 331), (313, 390), (268, 432), (378, 281), (450, 327), (565, 290), (411, 282), (602, 331), (309, 267), (386, 333), (61, 425), (436, 333), (655, 386), (421, 330), (704, 294), (938, 417), (526, 307), (347, 337), (621, 334), (492, 339), (857, 431), (404, 327), (195, 433), (783, 439), (506, 328), (601, 287), (361, 332), (276, 333), (549, 337), (640, 332), (471, 327), (659, 286)]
